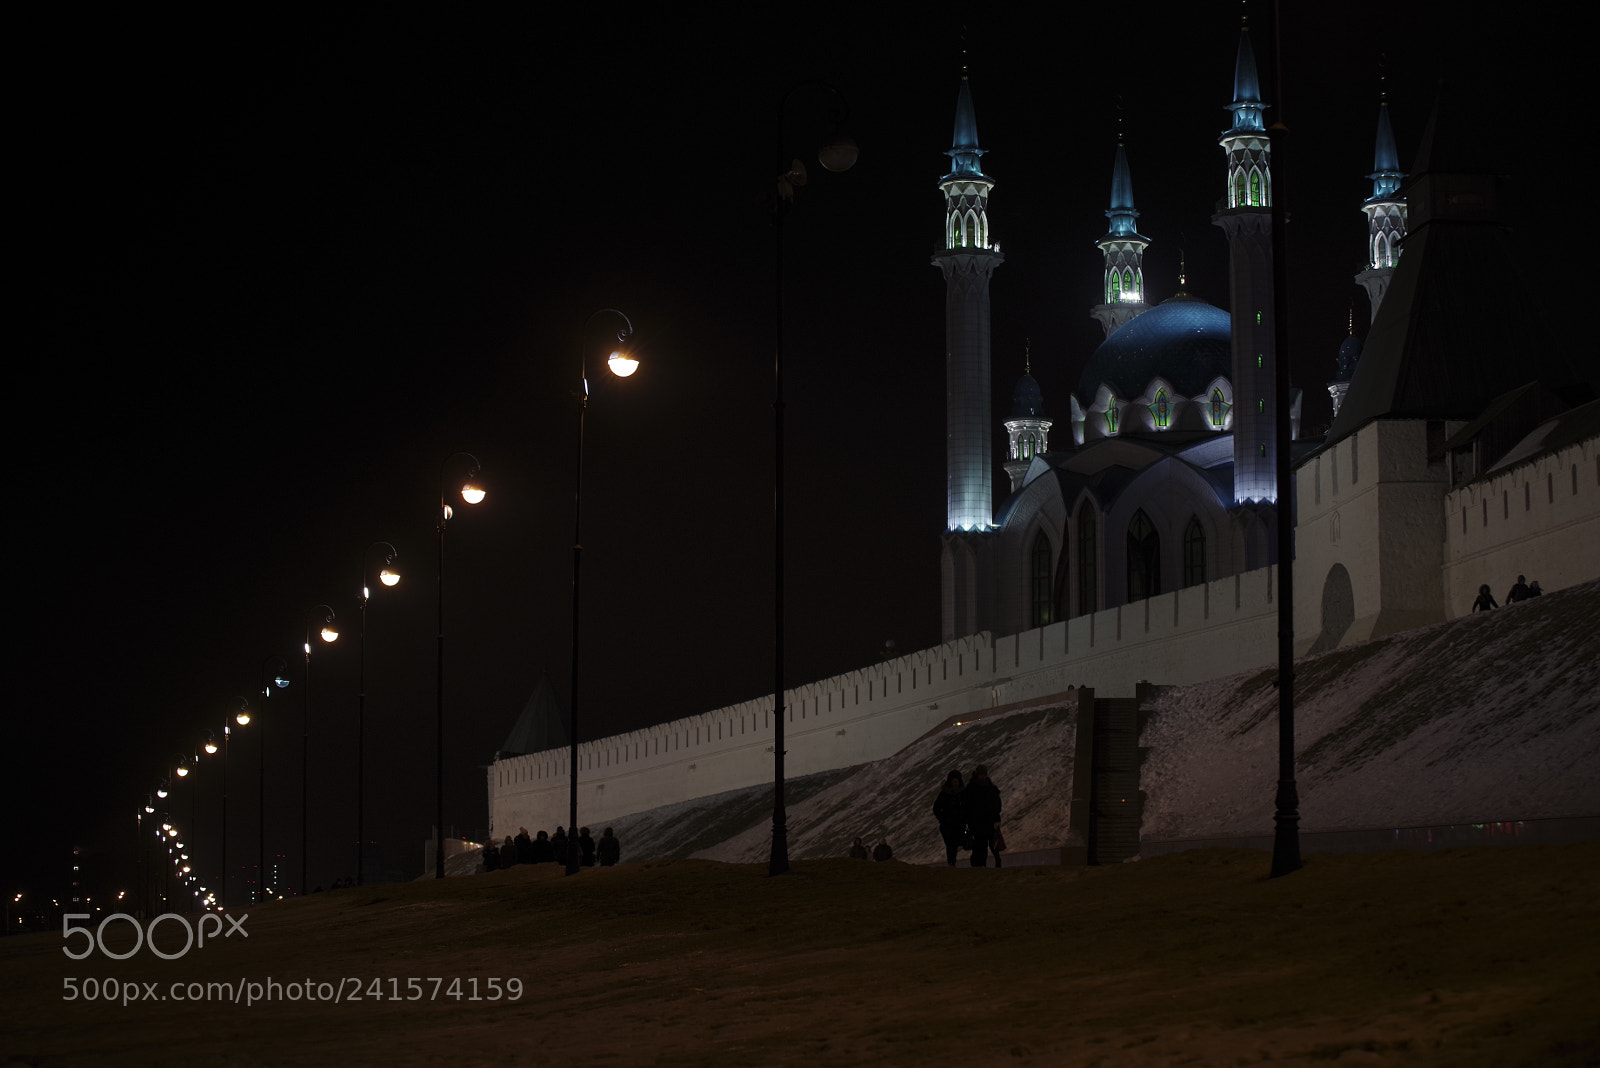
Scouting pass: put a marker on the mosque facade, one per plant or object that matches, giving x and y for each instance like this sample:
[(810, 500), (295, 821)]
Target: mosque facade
[(1136, 538)]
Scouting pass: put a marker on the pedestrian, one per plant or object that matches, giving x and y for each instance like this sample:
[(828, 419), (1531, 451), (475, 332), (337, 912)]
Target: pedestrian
[(949, 811), (558, 847), (491, 857), (981, 800), (586, 848), (1519, 592), (524, 846), (1534, 590), (859, 851), (1485, 599), (609, 848), (881, 851), (542, 853)]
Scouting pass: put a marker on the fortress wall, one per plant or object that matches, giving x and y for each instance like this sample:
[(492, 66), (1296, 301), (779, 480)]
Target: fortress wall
[(1185, 636), (1540, 519)]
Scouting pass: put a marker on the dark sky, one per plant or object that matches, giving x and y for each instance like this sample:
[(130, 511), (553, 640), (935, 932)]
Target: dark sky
[(278, 266)]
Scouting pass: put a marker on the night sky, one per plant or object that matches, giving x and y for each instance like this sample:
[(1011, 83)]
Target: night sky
[(276, 268)]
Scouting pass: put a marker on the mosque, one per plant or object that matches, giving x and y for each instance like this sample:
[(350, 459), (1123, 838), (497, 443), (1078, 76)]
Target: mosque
[(1139, 542)]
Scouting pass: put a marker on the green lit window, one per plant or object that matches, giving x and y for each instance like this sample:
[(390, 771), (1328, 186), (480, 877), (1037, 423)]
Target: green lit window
[(1255, 189), (1259, 360), (1111, 420), (1258, 318), (1238, 189), (1161, 410), (1261, 406), (1216, 408), (1116, 287)]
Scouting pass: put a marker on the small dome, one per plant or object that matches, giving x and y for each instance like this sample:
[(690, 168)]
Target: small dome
[(1027, 399), (1183, 339), (1349, 353)]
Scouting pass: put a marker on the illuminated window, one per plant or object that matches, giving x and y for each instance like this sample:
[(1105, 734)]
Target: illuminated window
[(1258, 323), (1216, 408), (1088, 573), (1238, 189), (1255, 189), (1144, 558), (1260, 360), (1261, 406), (1040, 585), (1162, 410), (1194, 553), (1127, 282), (1111, 420), (1116, 288)]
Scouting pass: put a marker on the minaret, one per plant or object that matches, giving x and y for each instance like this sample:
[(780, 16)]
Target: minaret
[(1349, 356), (1123, 247), (1386, 214), (968, 258), (1246, 217), (1027, 431)]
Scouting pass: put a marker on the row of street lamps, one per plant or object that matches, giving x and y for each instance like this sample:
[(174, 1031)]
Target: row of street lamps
[(838, 154)]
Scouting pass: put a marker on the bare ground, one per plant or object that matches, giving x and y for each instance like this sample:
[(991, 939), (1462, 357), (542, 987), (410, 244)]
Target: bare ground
[(1473, 957)]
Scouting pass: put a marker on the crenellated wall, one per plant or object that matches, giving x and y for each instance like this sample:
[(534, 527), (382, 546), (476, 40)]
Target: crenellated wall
[(1540, 519), (1185, 636)]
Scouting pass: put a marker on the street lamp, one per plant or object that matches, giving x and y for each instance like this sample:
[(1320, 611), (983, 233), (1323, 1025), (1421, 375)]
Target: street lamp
[(270, 677), (329, 633), (241, 716), (389, 575), (838, 154), (472, 492), (622, 364)]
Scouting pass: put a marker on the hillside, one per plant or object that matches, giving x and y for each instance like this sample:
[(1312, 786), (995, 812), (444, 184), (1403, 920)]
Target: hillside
[(1490, 717)]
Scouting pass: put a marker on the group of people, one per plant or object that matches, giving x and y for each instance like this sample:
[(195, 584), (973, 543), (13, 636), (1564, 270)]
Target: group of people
[(552, 848), (969, 817), (1522, 591)]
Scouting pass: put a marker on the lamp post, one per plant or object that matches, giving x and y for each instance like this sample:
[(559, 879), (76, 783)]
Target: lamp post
[(621, 364), (389, 576), (270, 677), (473, 493), (838, 154), (241, 716), (329, 633)]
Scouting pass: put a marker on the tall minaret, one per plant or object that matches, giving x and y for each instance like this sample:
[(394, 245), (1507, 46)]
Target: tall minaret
[(1123, 247), (1247, 220), (1386, 214), (968, 258)]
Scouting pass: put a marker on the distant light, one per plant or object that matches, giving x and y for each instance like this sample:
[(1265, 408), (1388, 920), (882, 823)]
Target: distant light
[(622, 365), (183, 769), (280, 682), (243, 716), (389, 576), (161, 791), (330, 633), (211, 747), (472, 493)]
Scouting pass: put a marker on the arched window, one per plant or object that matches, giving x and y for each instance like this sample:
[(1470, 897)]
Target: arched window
[(1216, 408), (1116, 288), (1255, 189), (1194, 553), (1144, 558), (1111, 420), (1039, 586), (1238, 189), (1162, 410), (1127, 283), (1088, 561)]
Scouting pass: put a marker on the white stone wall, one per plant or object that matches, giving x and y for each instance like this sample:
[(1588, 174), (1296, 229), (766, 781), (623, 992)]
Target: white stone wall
[(1540, 519), (1186, 636)]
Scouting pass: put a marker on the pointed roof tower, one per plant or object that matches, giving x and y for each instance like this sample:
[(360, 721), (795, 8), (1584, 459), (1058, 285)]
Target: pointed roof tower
[(964, 151), (1123, 247), (1248, 110), (1386, 214)]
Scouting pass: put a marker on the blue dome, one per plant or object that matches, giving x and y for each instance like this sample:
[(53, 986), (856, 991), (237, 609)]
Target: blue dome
[(1183, 340), (1027, 399)]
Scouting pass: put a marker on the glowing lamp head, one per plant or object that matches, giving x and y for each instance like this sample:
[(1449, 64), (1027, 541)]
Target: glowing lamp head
[(210, 746), (161, 791), (622, 364), (330, 633), (839, 154), (473, 493), (183, 770), (148, 807), (242, 717), (389, 576), (280, 681)]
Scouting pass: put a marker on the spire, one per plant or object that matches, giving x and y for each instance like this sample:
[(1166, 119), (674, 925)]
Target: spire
[(1123, 248), (1247, 107), (964, 150), (1385, 210), (1028, 430)]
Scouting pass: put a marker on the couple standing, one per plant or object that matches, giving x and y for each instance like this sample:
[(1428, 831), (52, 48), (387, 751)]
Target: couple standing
[(969, 816)]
